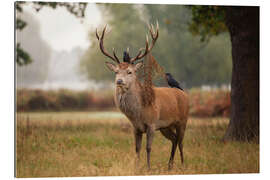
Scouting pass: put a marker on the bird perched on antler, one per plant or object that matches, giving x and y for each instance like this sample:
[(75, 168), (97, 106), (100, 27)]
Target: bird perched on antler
[(172, 82), (126, 57)]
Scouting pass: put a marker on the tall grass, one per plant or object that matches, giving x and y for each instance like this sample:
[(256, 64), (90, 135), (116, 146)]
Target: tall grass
[(101, 144)]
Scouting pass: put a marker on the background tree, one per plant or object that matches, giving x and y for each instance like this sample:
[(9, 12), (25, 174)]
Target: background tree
[(243, 26), (22, 56), (191, 61), (124, 34), (30, 39)]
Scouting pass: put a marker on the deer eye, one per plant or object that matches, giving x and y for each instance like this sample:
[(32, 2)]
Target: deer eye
[(129, 72), (116, 72)]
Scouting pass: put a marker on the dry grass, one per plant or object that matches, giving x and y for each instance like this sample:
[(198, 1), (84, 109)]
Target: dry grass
[(102, 144)]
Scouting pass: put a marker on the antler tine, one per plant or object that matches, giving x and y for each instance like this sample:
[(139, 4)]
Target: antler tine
[(152, 31), (102, 47), (150, 27), (97, 34), (132, 60), (139, 55), (103, 32), (114, 54), (154, 36)]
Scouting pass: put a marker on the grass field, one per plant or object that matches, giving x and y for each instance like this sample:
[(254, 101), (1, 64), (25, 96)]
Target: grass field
[(101, 144)]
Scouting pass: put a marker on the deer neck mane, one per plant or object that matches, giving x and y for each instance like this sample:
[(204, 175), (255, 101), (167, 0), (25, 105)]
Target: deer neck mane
[(132, 100), (129, 101)]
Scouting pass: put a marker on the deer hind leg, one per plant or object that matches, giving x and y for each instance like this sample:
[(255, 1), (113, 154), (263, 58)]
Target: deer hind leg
[(180, 130), (169, 134)]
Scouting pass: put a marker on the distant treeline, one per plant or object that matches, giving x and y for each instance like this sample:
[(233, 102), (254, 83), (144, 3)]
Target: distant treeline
[(210, 103), (202, 103), (63, 100)]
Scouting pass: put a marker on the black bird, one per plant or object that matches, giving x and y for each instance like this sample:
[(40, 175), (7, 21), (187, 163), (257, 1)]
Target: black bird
[(126, 57), (172, 82)]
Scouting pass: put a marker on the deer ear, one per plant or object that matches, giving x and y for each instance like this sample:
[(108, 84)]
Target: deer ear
[(138, 66), (111, 66)]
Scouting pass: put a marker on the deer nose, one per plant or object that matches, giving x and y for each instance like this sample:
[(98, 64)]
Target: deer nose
[(119, 81)]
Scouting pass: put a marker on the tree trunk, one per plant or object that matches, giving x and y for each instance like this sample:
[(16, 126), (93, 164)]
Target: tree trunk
[(243, 25)]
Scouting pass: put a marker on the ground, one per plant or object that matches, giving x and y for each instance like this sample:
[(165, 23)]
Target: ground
[(65, 144)]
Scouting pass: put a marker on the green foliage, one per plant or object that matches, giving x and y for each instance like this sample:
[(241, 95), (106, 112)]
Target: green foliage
[(207, 21), (123, 34), (76, 9), (22, 57), (191, 61), (20, 24), (18, 6)]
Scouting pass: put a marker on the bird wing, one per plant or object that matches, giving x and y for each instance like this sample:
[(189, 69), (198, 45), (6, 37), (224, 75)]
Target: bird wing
[(174, 83)]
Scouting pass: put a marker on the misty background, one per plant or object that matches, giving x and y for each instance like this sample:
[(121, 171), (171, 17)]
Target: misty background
[(66, 55)]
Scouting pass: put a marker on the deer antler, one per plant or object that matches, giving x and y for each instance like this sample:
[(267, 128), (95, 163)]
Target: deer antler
[(154, 36), (114, 57)]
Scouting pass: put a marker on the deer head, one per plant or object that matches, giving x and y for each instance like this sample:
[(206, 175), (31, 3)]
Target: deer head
[(126, 71)]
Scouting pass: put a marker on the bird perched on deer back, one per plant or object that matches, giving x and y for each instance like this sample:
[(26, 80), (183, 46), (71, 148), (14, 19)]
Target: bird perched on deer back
[(172, 82)]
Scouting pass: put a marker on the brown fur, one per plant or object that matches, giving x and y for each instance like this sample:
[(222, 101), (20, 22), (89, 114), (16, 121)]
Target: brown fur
[(123, 65), (168, 113), (151, 68), (170, 107)]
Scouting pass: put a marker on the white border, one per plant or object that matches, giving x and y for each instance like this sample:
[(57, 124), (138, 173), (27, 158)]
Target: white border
[(7, 87)]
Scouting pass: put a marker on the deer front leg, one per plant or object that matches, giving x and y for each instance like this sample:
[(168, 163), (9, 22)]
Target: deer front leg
[(138, 142), (149, 136)]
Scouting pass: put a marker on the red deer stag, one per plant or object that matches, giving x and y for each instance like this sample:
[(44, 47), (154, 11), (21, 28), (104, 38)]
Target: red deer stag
[(168, 112)]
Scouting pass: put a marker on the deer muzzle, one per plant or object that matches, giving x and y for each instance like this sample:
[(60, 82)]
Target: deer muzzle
[(119, 82)]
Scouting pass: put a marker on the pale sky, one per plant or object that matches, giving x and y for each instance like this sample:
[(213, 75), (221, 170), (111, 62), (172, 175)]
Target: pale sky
[(62, 30)]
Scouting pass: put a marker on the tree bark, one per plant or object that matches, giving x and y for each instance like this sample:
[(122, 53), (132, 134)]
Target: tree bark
[(243, 25)]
